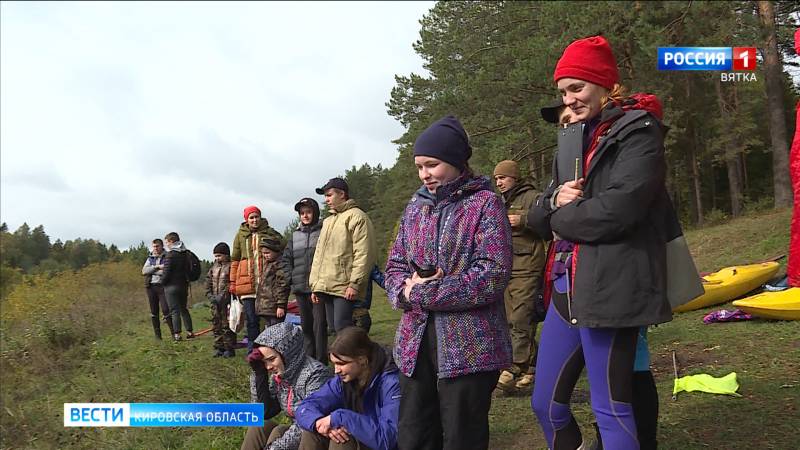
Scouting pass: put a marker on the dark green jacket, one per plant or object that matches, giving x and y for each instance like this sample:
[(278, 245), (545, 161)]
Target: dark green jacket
[(529, 248)]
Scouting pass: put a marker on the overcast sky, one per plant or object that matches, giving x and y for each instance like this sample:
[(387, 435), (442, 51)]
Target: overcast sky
[(124, 121)]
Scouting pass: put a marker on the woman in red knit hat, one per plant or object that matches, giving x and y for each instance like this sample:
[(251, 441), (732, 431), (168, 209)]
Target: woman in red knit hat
[(246, 264), (611, 218)]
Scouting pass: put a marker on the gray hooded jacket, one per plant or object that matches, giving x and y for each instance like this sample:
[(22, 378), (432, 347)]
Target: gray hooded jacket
[(302, 375)]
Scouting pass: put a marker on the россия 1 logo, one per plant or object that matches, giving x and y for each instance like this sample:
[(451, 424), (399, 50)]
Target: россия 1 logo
[(736, 64)]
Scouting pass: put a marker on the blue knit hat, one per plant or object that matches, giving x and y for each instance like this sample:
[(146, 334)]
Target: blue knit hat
[(445, 140)]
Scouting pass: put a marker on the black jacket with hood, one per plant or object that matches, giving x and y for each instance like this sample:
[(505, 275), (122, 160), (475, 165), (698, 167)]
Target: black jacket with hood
[(623, 227)]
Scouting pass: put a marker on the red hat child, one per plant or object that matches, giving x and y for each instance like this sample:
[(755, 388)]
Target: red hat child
[(589, 59), (251, 209)]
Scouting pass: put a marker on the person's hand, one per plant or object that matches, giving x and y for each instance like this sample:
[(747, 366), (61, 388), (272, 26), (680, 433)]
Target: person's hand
[(515, 220), (323, 425), (569, 192), (232, 289), (339, 435), (350, 294), (416, 279), (160, 267), (407, 290), (280, 313), (314, 298)]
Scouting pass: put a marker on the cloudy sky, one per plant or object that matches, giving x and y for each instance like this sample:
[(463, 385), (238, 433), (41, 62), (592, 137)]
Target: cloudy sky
[(123, 121)]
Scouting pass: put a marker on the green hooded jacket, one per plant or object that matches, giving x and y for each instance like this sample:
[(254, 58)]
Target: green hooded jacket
[(246, 260)]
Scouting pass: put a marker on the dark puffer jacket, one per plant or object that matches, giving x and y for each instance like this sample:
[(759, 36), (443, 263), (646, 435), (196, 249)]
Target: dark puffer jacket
[(302, 375), (175, 266), (299, 253)]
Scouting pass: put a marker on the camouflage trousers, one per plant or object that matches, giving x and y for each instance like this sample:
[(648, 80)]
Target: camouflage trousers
[(224, 338), (519, 301), (362, 319)]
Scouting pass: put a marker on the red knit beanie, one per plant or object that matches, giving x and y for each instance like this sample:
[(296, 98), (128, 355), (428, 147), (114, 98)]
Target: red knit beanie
[(589, 59), (797, 41), (251, 209)]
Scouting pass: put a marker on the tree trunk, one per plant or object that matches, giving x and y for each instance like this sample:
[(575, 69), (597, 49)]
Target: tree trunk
[(773, 73), (695, 170), (734, 183), (713, 188), (698, 198), (731, 157), (543, 173)]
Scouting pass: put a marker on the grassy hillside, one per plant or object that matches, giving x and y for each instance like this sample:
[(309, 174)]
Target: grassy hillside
[(102, 350), (741, 241)]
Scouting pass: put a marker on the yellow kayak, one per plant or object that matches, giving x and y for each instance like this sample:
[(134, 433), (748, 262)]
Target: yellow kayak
[(781, 305), (730, 283)]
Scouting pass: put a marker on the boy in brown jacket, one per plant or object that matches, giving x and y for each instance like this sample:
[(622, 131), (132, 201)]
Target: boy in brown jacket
[(273, 289)]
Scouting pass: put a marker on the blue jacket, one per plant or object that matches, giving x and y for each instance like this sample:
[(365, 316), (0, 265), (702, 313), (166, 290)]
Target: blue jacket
[(376, 427), (377, 276)]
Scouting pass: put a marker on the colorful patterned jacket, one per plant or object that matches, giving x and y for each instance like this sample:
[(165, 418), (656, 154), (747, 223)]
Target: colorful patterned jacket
[(463, 229)]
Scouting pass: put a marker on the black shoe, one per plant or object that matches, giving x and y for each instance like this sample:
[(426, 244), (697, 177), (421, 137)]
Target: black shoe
[(218, 353), (228, 354), (176, 337), (189, 335)]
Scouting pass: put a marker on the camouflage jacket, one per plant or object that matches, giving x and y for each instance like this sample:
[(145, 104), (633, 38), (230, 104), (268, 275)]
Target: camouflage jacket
[(273, 290), (217, 282)]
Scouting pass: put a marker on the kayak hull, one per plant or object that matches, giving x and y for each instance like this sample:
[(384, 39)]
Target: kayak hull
[(781, 305), (730, 283)]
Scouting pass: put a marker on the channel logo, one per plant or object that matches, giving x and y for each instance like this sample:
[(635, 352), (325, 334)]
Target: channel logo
[(707, 58), (163, 414)]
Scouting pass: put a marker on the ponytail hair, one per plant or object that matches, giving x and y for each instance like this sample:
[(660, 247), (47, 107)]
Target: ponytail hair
[(616, 95)]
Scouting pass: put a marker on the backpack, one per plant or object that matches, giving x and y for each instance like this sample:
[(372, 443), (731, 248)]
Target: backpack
[(192, 266)]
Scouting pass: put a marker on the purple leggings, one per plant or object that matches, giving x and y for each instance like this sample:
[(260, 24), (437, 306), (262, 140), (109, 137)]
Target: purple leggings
[(608, 355)]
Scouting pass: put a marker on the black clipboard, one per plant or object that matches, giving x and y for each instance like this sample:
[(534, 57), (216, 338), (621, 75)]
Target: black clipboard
[(569, 159)]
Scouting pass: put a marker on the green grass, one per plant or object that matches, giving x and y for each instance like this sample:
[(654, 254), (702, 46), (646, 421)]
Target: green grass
[(745, 240), (125, 364)]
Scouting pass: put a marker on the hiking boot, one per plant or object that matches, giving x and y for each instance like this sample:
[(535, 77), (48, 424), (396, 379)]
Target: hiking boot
[(506, 381), (525, 382), (176, 337), (218, 353), (190, 335), (228, 354)]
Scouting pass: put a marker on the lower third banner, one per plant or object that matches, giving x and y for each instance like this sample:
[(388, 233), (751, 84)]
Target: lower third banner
[(163, 414)]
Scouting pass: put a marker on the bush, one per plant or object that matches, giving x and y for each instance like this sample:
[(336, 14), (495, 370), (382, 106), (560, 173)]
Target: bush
[(68, 308), (715, 217)]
